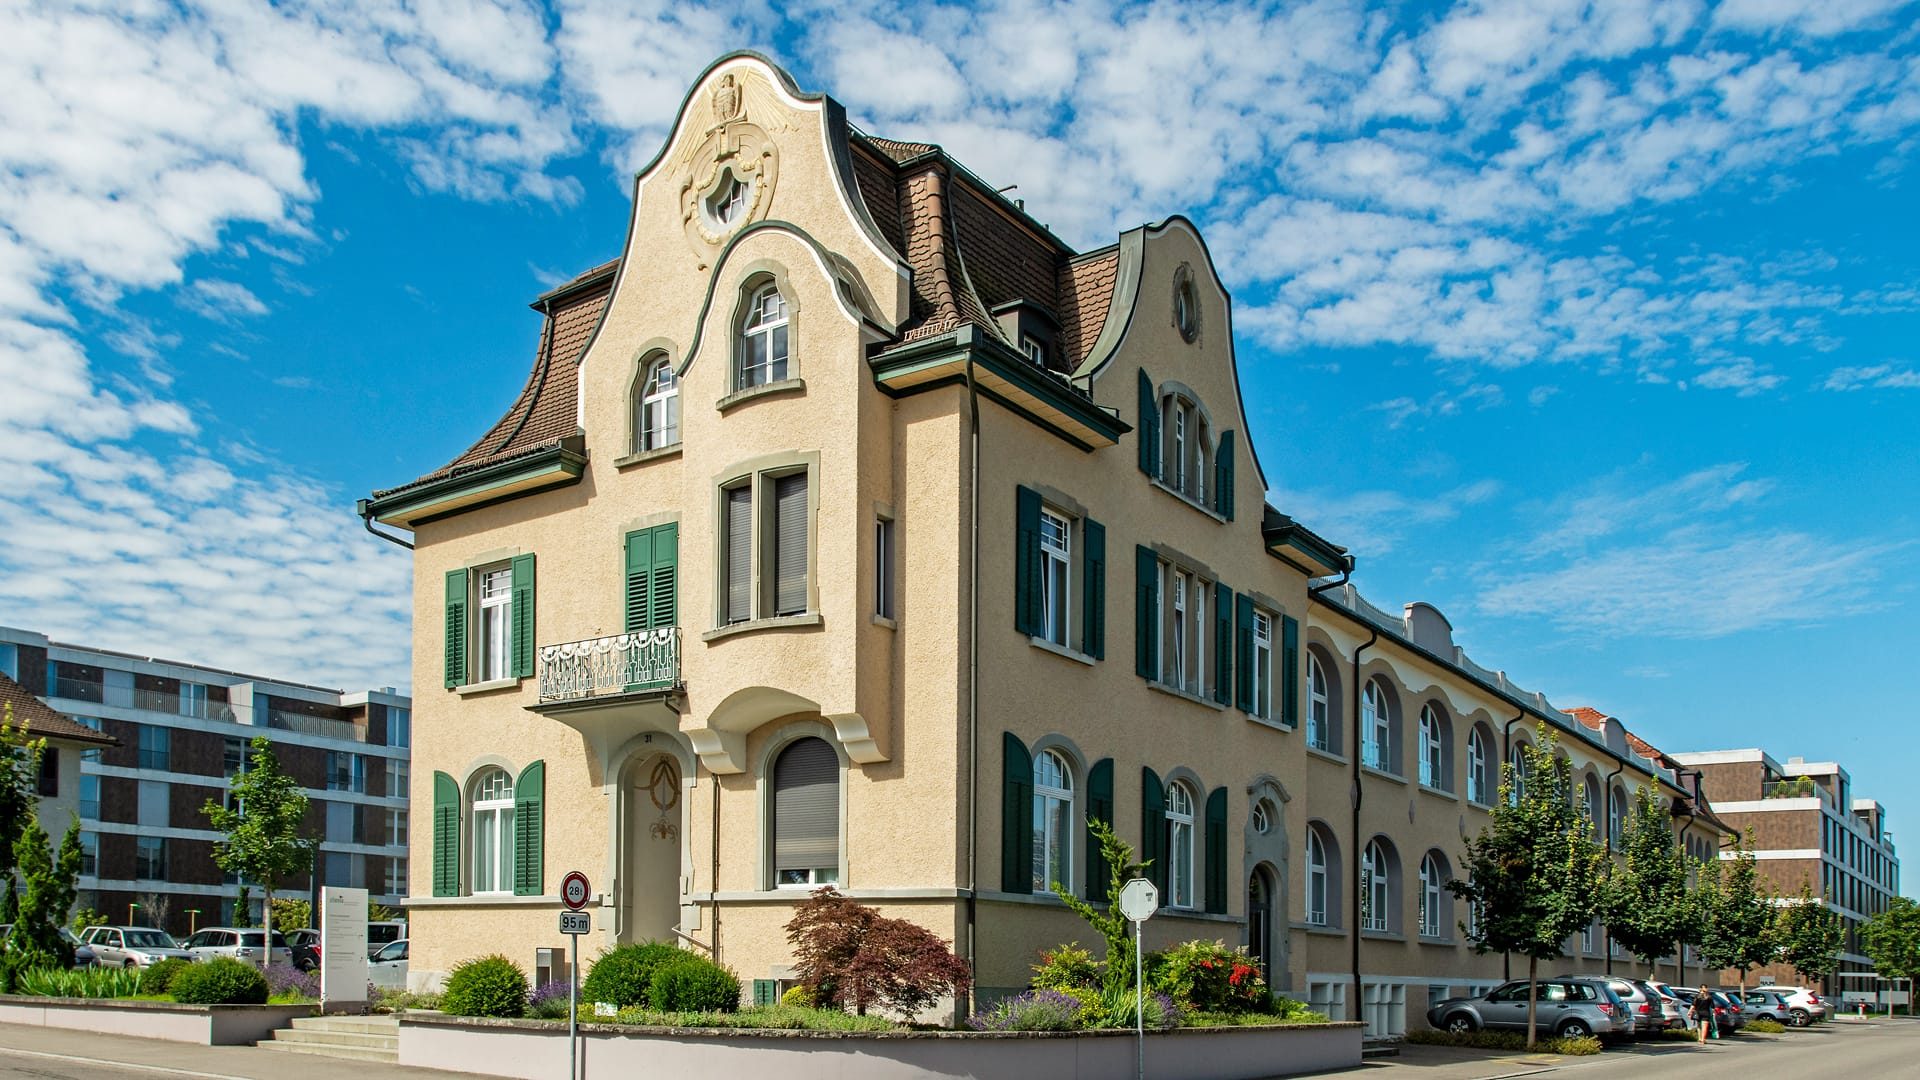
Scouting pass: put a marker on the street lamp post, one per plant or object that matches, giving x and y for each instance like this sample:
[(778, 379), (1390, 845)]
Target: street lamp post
[(131, 908)]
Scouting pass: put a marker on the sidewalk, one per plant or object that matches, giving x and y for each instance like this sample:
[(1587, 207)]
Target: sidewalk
[(38, 1051)]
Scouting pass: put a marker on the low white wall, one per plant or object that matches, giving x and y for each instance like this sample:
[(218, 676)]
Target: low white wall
[(536, 1051), (206, 1025)]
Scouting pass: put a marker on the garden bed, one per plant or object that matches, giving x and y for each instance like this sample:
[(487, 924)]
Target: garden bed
[(538, 1049), (206, 1025)]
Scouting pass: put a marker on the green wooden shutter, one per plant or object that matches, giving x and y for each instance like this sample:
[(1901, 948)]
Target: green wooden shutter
[(1016, 817), (529, 830), (1093, 591), (446, 835), (1153, 828), (1289, 670), (1099, 808), (1223, 476), (1216, 898), (766, 992), (664, 592), (1222, 643), (456, 628), (1243, 653), (639, 577), (1146, 613), (520, 648), (1026, 542), (1148, 429)]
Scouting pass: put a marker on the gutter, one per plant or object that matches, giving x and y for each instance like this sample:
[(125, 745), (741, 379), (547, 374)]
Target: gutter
[(973, 678), (1355, 799), (364, 508)]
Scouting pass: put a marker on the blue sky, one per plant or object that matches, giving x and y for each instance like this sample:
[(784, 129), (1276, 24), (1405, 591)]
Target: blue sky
[(1593, 324)]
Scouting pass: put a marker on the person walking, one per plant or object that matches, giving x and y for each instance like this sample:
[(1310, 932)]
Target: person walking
[(1701, 1012)]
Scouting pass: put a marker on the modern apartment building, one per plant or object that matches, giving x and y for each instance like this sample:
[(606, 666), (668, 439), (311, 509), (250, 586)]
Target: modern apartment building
[(853, 529), (172, 734), (1809, 829), (58, 785)]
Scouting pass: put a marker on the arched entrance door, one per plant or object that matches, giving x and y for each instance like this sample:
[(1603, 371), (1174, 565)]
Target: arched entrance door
[(651, 840), (1260, 890)]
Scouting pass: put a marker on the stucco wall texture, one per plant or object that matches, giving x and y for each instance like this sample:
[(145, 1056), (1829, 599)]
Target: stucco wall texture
[(921, 761)]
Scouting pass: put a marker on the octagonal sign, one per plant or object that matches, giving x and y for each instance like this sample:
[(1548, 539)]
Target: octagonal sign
[(1139, 899)]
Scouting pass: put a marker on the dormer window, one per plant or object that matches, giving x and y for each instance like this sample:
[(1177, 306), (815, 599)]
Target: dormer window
[(1032, 331), (1035, 350)]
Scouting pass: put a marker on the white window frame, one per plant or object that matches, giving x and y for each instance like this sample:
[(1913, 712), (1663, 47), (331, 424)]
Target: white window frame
[(1056, 576), (729, 200), (492, 815), (396, 828), (399, 719), (1319, 706), (1431, 888), (1180, 837), (1262, 664), (1034, 349), (657, 417), (396, 875), (1378, 881), (1517, 759), (757, 362), (493, 622), (1478, 779), (1051, 843), (1432, 750), (1376, 726), (1317, 881)]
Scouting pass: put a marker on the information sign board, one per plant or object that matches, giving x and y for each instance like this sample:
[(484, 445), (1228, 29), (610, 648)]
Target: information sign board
[(343, 949)]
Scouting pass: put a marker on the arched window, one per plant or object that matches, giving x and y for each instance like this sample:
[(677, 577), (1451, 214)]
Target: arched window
[(1376, 887), (492, 845), (1436, 742), (1434, 899), (1186, 460), (1052, 823), (763, 340), (1262, 817), (1596, 816), (656, 407), (806, 815), (1517, 772), (1376, 728), (1180, 845), (1323, 877), (1479, 772), (1617, 823), (1319, 720)]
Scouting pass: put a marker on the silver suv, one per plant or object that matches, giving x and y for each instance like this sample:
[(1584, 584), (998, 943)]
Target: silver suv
[(1645, 1009), (131, 946), (240, 944), (1569, 1007)]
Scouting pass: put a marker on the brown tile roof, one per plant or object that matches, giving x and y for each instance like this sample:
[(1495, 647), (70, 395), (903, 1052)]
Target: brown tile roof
[(1592, 718), (1086, 292), (39, 720)]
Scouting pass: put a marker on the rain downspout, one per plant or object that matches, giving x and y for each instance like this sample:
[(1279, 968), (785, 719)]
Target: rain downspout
[(1355, 799), (973, 671)]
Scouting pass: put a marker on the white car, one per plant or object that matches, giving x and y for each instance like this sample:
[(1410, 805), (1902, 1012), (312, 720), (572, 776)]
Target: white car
[(388, 968), (240, 944), (131, 946)]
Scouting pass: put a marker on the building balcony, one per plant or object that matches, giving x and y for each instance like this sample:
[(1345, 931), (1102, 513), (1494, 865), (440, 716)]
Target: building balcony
[(607, 685)]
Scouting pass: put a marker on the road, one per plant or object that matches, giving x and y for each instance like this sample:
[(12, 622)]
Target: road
[(1874, 1050), (37, 1053)]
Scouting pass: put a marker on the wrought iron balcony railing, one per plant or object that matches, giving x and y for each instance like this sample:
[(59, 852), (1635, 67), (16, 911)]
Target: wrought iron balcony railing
[(648, 660)]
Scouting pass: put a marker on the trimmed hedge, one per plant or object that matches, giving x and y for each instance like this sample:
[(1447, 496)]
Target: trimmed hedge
[(219, 981), (693, 984), (485, 986), (623, 976), (157, 977)]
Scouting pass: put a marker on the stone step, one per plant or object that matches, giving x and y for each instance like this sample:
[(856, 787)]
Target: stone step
[(352, 1053), (366, 1039), (378, 1025)]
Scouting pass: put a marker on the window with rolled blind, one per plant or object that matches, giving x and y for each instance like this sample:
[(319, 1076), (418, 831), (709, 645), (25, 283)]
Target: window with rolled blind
[(739, 524), (790, 544), (806, 815)]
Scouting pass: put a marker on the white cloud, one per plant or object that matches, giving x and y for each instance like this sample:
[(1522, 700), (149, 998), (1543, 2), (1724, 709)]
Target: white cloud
[(1374, 522), (1875, 376)]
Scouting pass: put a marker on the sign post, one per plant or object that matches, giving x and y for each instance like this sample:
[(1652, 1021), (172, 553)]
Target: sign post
[(574, 892), (1139, 899)]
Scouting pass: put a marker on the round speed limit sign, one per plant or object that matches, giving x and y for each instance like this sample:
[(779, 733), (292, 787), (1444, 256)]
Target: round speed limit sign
[(574, 890)]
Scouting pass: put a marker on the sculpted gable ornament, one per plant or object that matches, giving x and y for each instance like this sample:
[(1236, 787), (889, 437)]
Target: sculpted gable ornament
[(727, 175)]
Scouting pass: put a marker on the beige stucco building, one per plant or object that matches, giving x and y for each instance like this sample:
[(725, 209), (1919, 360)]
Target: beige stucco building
[(853, 528)]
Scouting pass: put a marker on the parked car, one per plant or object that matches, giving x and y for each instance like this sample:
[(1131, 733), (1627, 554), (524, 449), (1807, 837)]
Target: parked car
[(383, 933), (239, 943), (82, 953), (1726, 1018), (1674, 1009), (387, 970), (1645, 1005), (131, 946), (1802, 1006), (305, 944), (1567, 1007)]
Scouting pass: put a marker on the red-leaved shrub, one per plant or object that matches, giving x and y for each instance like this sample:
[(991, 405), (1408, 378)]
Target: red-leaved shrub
[(846, 953)]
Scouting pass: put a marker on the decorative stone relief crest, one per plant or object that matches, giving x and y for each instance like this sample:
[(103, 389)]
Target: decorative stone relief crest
[(727, 175), (663, 790)]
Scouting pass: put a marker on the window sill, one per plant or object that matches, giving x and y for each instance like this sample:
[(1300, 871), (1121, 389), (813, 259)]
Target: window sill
[(1382, 935), (1060, 650), (1321, 928), (882, 620), (1478, 805), (1326, 755), (1441, 942), (754, 393), (643, 456), (1266, 722), (782, 622), (1440, 793), (1383, 774), (1185, 695), (487, 687), (1186, 498)]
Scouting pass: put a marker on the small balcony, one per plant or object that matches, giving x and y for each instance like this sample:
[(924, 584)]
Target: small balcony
[(618, 667)]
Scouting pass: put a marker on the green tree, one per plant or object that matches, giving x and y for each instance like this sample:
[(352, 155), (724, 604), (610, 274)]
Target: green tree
[(1534, 874), (1109, 923), (19, 790), (263, 827), (1891, 940), (1809, 935), (34, 940), (1646, 905), (1737, 913), (292, 912)]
